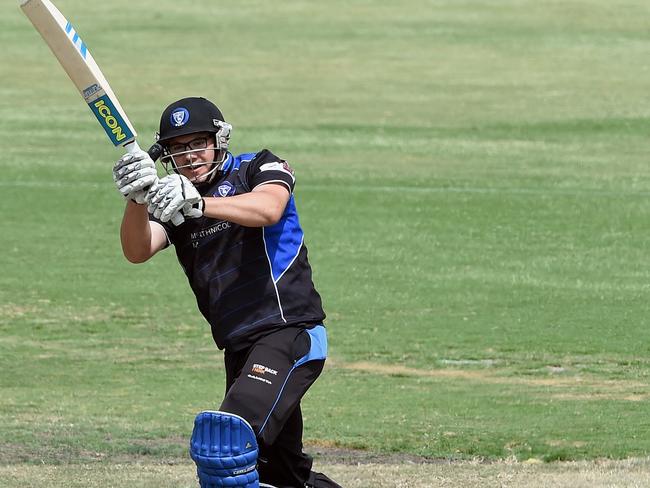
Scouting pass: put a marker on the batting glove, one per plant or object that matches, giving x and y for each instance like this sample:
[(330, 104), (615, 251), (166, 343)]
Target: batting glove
[(194, 210), (172, 197), (133, 174)]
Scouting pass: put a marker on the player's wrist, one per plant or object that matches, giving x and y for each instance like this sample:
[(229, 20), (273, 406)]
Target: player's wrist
[(137, 197)]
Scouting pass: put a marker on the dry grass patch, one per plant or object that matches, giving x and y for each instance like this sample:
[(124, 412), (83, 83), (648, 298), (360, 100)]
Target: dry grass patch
[(610, 474), (591, 388)]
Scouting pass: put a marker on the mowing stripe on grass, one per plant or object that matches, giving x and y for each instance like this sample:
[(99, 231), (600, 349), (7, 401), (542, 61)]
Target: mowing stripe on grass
[(375, 189)]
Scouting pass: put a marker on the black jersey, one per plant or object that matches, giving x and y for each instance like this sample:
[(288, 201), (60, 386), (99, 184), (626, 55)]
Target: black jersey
[(248, 281)]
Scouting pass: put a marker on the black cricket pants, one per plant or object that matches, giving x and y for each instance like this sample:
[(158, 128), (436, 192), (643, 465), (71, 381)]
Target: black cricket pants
[(263, 387)]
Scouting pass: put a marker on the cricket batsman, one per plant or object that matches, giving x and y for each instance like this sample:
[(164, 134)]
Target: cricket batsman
[(242, 249)]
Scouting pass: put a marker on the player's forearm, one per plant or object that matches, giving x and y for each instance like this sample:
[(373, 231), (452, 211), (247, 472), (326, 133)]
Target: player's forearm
[(254, 209), (135, 233)]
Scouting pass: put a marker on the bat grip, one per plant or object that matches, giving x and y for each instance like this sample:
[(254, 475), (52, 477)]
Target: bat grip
[(132, 147), (154, 153)]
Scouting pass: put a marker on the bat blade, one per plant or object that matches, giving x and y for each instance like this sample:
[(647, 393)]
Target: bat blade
[(78, 63)]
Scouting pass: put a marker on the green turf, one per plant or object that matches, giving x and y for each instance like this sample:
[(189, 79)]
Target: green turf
[(473, 183)]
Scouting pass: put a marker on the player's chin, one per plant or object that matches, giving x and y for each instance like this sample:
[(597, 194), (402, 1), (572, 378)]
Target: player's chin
[(198, 178), (194, 176)]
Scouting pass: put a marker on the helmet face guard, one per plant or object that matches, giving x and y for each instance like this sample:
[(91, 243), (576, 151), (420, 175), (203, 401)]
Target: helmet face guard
[(173, 160), (189, 116)]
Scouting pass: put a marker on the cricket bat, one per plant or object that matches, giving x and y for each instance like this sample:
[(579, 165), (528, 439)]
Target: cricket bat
[(78, 63)]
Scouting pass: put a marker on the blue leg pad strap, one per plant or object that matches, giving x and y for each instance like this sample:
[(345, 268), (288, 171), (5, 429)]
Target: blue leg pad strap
[(224, 448)]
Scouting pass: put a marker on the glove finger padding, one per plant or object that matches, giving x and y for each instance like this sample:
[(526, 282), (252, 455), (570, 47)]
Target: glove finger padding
[(132, 168), (137, 180), (134, 172), (170, 195), (174, 206), (155, 187), (133, 158), (159, 193), (169, 205)]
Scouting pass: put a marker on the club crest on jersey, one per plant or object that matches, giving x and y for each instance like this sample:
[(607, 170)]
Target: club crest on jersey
[(179, 117), (225, 189)]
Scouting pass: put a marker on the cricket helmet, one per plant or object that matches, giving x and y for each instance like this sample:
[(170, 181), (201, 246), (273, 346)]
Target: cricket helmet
[(187, 116), (193, 115)]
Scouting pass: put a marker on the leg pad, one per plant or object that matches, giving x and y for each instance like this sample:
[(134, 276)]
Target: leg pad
[(224, 448)]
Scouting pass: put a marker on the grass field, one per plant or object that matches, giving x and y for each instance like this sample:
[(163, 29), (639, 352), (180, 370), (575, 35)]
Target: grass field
[(473, 184)]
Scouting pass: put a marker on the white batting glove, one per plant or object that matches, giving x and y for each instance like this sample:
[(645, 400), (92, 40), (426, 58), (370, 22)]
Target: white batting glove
[(194, 210), (133, 174), (173, 197)]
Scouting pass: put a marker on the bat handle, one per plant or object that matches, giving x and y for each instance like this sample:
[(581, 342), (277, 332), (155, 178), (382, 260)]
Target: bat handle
[(132, 147), (154, 152)]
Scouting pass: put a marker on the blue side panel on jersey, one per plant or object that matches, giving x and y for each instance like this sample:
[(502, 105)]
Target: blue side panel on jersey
[(116, 128), (283, 240)]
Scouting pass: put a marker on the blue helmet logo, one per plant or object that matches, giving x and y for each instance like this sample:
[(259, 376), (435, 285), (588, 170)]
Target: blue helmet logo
[(179, 117)]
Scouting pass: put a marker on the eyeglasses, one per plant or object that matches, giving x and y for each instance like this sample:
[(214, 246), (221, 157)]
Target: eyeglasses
[(194, 145)]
